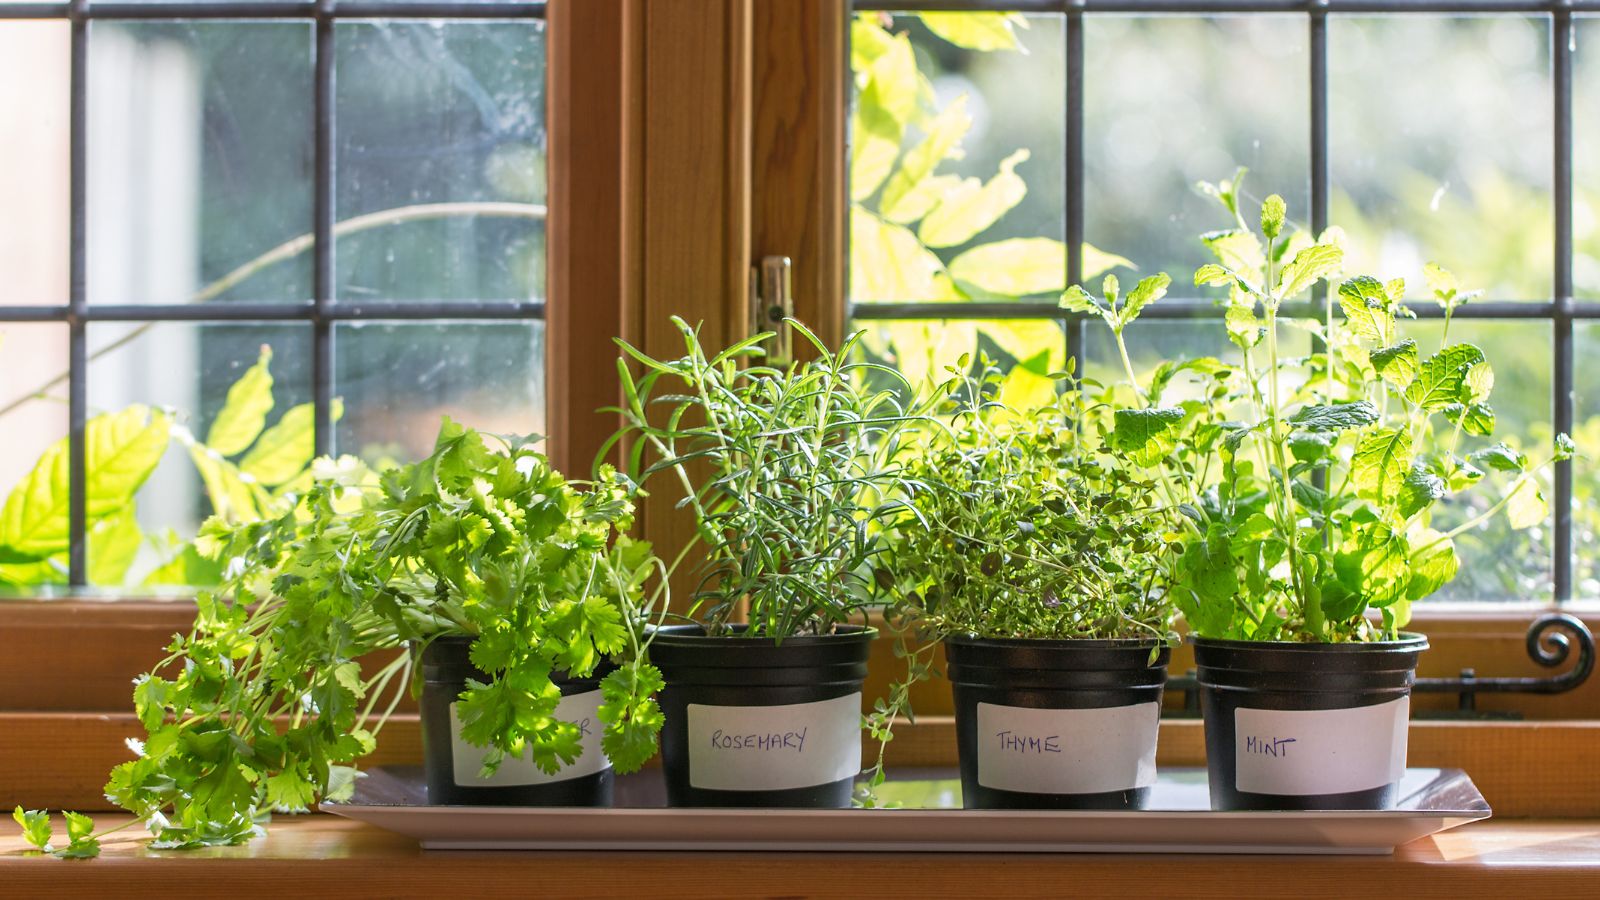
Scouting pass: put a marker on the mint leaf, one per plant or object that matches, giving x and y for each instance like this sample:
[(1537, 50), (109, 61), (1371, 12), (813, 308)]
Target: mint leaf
[(1442, 379), (1273, 211), (1337, 417), (1309, 266), (1433, 563), (1526, 507), (1146, 292), (1397, 365), (1380, 464), (1078, 300), (1476, 420), (1367, 311), (1146, 436), (1207, 570), (1419, 490), (1501, 457)]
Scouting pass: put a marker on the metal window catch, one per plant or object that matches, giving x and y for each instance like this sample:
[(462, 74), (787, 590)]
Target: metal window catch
[(772, 301)]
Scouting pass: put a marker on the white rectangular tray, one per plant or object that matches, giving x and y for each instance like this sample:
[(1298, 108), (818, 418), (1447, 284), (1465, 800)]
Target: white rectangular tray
[(1179, 820)]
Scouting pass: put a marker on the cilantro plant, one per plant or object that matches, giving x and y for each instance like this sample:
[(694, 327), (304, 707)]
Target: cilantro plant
[(790, 474), (1307, 484), (298, 659)]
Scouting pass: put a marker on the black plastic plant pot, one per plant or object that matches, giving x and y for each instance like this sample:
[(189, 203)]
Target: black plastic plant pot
[(758, 722), (1306, 726), (1044, 724), (453, 766)]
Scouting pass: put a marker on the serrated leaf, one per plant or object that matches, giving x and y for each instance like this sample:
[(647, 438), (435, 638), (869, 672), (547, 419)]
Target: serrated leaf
[(1477, 419), (1433, 564), (969, 209), (1396, 365), (1373, 560), (1309, 266), (1208, 584), (122, 449), (1146, 436), (35, 824), (1380, 464), (1273, 211), (983, 31), (1419, 490), (1017, 267), (1366, 310), (1239, 251), (243, 415), (1078, 300), (1336, 417), (1244, 327), (1146, 292), (1441, 380)]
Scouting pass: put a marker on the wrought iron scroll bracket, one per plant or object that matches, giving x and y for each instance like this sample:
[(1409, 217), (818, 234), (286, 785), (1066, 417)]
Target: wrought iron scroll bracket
[(1551, 641)]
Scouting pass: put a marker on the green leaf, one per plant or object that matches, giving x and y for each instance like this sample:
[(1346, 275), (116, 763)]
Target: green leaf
[(1396, 365), (868, 41), (1146, 436), (1477, 419), (286, 448), (968, 209), (1017, 267), (976, 30), (35, 825), (1245, 328), (242, 417), (1367, 311), (1240, 252), (290, 792), (921, 200), (1208, 572), (888, 263), (1500, 457), (631, 715), (1337, 417), (1078, 300), (1374, 561), (887, 102), (122, 449), (1419, 490), (1479, 382), (1380, 464), (1146, 292), (1442, 379), (1309, 266), (942, 142), (113, 544), (1440, 281), (234, 497), (1526, 507), (1433, 563), (1273, 211)]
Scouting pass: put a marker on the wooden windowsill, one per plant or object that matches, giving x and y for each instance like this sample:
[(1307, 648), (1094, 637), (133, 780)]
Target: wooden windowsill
[(1488, 859)]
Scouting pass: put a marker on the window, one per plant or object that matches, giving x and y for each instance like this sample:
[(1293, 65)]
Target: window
[(241, 234), (1071, 134)]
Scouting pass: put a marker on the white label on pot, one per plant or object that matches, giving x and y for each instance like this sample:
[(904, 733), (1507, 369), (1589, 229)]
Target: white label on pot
[(1067, 751), (770, 748), (580, 709), (1320, 751)]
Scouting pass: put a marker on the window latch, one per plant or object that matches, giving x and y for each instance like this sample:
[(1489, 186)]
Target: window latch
[(772, 301)]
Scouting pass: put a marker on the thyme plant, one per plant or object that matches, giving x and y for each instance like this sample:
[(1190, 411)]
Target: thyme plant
[(1308, 484), (790, 472)]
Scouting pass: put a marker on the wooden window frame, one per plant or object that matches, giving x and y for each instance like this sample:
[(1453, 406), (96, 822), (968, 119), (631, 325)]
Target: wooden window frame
[(687, 138)]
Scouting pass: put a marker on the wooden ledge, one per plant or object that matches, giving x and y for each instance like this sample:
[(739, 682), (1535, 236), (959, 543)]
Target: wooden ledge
[(349, 859)]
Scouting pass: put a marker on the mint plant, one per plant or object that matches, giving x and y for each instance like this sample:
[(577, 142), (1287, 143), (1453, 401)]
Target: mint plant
[(299, 658), (1307, 485), (790, 473)]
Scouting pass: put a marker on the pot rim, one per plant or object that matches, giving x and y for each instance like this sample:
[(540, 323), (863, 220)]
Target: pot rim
[(1409, 641), (694, 635), (972, 640)]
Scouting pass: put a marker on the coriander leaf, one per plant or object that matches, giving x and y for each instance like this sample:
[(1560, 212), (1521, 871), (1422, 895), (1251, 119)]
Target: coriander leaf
[(1380, 464), (632, 716), (1396, 365), (35, 826), (1337, 417)]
